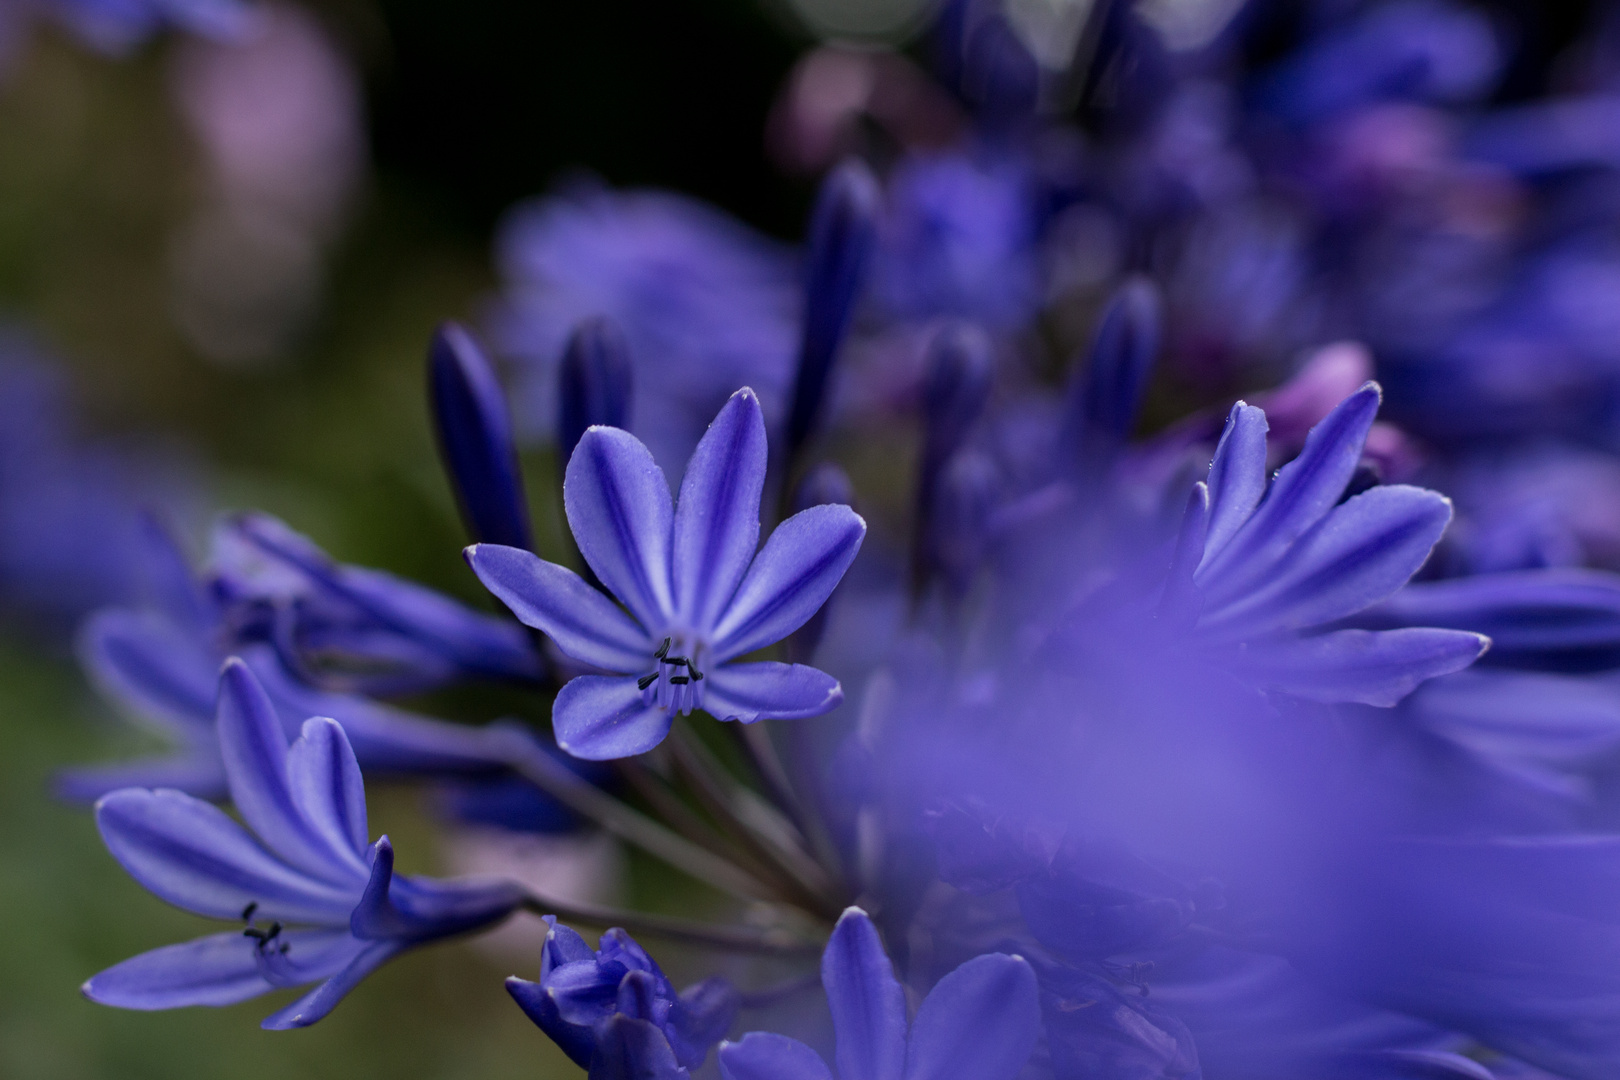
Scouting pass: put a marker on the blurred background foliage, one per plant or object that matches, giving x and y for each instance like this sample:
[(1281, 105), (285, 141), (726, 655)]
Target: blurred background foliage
[(470, 107)]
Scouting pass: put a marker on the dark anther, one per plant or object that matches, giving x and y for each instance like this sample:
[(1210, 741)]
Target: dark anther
[(678, 680), (256, 934), (285, 945), (697, 676), (676, 661), (646, 681), (275, 932), (662, 649), (247, 912)]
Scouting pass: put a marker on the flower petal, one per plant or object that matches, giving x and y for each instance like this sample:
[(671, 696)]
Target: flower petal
[(254, 748), (196, 773), (1372, 667), (1237, 475), (383, 737), (868, 1006), (326, 785), (769, 691), (717, 515), (153, 668), (417, 619), (556, 601), (980, 1022), (1558, 618), (759, 1055), (601, 717), (1305, 489), (219, 969), (800, 565), (1359, 554), (619, 509), (193, 855), (325, 997), (1563, 720), (627, 1048), (575, 1040)]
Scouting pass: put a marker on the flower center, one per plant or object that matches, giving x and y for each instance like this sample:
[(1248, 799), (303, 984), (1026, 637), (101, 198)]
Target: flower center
[(675, 683), (266, 940)]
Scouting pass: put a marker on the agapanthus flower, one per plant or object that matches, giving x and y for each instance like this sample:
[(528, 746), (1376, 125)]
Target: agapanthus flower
[(351, 627), (159, 665), (589, 1000), (331, 907), (1265, 570), (980, 1022), (696, 596)]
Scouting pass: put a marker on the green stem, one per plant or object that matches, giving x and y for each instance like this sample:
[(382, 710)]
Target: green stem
[(587, 800), (715, 789), (672, 928)]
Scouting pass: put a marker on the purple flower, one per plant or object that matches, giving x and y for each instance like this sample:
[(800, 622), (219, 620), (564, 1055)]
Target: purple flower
[(696, 597), (1265, 571), (980, 1022), (705, 305), (334, 909), (959, 238), (588, 1001), (350, 627), (160, 666)]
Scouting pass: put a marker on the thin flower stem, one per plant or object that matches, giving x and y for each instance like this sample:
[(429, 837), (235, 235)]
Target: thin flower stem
[(584, 798), (673, 811), (717, 790), (755, 743), (672, 928), (812, 795), (762, 752)]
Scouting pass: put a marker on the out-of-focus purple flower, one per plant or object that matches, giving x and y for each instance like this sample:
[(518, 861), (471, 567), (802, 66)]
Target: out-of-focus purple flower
[(335, 907), (980, 1022), (698, 597), (958, 238), (71, 534), (705, 304), (589, 1001), (1425, 50)]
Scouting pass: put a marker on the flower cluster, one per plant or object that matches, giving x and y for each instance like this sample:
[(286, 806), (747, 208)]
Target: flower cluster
[(1134, 741)]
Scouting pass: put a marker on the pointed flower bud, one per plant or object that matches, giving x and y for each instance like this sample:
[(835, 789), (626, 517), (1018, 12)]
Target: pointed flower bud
[(954, 388), (1106, 393), (842, 235), (595, 383), (475, 439)]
